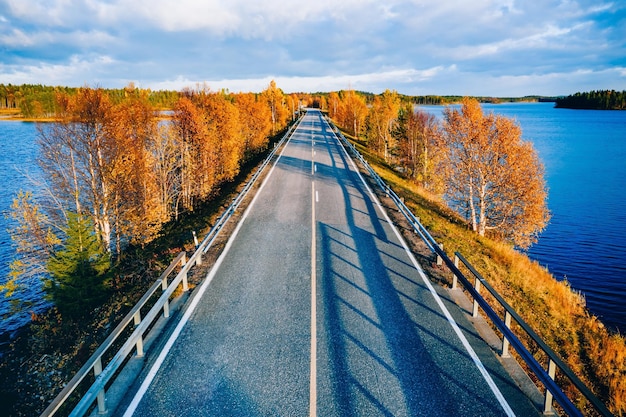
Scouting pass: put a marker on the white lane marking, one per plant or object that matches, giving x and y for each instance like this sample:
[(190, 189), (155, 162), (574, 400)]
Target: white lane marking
[(315, 167), (317, 197), (313, 377), (481, 367), (194, 303)]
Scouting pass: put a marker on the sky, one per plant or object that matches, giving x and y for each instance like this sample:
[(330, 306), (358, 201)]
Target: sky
[(503, 48)]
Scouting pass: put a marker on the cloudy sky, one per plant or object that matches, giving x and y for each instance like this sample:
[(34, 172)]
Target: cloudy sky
[(463, 47)]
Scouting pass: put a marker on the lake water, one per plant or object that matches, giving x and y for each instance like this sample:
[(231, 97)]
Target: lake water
[(584, 152), (17, 160)]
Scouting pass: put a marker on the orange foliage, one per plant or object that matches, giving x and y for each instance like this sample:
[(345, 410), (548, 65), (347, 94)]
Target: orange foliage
[(493, 176), (255, 123)]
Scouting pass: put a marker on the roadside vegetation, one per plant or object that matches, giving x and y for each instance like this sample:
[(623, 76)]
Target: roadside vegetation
[(555, 311), (120, 194), (412, 152)]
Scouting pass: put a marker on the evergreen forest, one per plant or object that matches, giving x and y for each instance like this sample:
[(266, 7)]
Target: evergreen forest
[(594, 100)]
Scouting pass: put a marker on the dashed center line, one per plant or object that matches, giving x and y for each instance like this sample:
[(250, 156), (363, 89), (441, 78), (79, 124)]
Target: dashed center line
[(313, 364)]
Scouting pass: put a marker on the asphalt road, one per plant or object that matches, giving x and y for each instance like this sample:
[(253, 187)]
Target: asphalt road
[(317, 308)]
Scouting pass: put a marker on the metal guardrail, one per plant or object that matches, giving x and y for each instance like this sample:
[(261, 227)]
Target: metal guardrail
[(509, 339), (96, 392)]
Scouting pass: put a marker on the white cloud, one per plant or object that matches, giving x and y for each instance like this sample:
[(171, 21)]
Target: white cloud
[(413, 46), (18, 38), (78, 71), (550, 37), (375, 82)]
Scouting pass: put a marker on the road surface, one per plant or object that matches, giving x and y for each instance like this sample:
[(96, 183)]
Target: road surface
[(316, 307)]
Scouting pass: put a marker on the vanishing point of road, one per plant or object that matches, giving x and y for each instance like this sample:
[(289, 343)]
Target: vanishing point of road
[(316, 307)]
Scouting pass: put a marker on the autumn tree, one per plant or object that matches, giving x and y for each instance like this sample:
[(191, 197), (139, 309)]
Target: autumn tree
[(294, 104), (381, 123), (164, 158), (221, 122), (135, 205), (208, 126), (196, 166), (493, 176), (255, 123), (76, 158), (276, 102), (419, 151), (333, 104), (352, 112), (94, 162)]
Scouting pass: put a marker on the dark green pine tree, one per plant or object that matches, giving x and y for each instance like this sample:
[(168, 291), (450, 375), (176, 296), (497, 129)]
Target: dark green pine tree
[(78, 270)]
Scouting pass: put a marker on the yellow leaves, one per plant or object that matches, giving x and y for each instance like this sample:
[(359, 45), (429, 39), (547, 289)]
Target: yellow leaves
[(496, 178), (351, 112), (255, 123), (276, 102), (381, 122), (34, 238)]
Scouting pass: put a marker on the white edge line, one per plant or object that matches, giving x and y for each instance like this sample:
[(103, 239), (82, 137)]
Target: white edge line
[(194, 303), (494, 388), (313, 369)]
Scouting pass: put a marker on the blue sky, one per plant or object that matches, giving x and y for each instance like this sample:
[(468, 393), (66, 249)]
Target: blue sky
[(462, 47)]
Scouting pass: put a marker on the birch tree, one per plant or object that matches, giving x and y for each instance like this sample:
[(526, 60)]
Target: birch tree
[(275, 99), (419, 148), (381, 123), (163, 153), (76, 158), (352, 112), (254, 123), (493, 176)]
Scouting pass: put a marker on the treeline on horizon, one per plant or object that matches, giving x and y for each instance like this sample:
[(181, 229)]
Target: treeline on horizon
[(594, 100), (41, 101), (36, 101)]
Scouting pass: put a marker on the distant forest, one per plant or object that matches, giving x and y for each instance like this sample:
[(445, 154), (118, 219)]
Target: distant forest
[(40, 101), (36, 101), (594, 100)]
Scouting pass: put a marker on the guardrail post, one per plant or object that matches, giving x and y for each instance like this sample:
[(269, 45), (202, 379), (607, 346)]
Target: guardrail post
[(439, 258), (139, 344), (183, 262), (97, 370), (477, 288), (166, 306), (199, 253), (505, 341), (454, 277), (547, 405)]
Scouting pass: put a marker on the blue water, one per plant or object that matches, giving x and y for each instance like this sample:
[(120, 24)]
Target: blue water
[(17, 163), (584, 153)]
